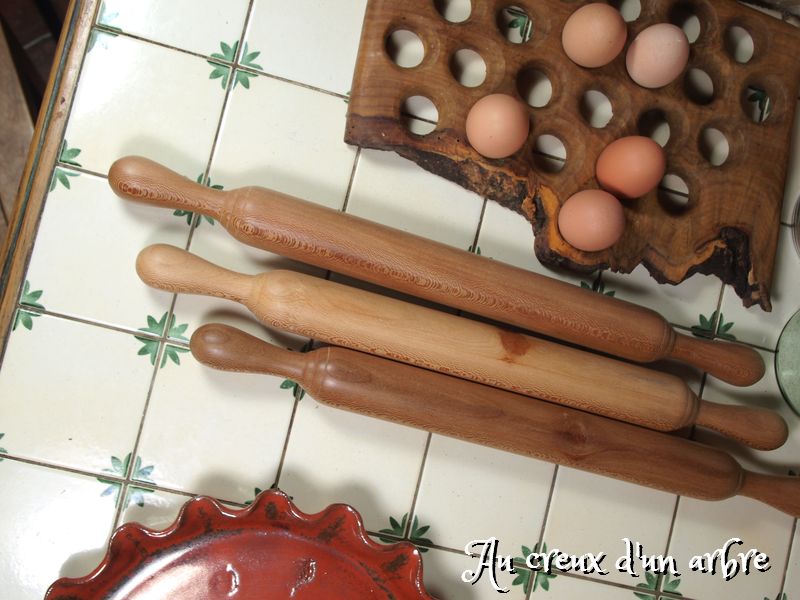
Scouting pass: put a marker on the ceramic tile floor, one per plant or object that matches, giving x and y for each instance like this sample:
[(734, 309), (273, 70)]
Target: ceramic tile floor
[(106, 418)]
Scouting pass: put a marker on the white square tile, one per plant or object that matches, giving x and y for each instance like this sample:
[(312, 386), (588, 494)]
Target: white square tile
[(213, 432), (461, 479), (753, 325), (507, 236), (54, 524), (680, 304), (702, 527), (398, 193), (315, 43), (214, 244), (793, 570), (178, 23), (285, 137), (159, 510), (73, 394), (138, 98), (338, 456), (80, 273), (590, 513), (572, 588), (443, 570)]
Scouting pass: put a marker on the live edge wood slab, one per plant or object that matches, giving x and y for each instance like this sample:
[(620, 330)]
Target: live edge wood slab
[(729, 225)]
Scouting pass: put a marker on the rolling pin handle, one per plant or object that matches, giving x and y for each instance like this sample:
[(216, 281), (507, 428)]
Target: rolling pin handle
[(175, 270), (229, 349), (758, 428), (780, 492), (733, 363), (143, 180)]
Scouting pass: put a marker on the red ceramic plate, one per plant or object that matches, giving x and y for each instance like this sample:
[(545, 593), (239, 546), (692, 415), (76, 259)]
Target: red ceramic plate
[(269, 551)]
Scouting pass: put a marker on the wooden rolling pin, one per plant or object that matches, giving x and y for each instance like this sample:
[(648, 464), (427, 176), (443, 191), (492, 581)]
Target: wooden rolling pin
[(420, 267), (456, 408), (436, 340)]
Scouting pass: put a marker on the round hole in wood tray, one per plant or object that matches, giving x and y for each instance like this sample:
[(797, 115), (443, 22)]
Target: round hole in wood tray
[(419, 115), (698, 86), (535, 87), (714, 146), (405, 48), (596, 108), (673, 194), (653, 124), (468, 67), (629, 9), (684, 16), (757, 103), (515, 24), (739, 44), (455, 11), (549, 153)]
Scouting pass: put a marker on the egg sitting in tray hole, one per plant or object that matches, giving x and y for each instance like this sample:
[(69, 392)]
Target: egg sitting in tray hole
[(594, 35), (591, 220), (631, 166), (657, 55), (497, 125)]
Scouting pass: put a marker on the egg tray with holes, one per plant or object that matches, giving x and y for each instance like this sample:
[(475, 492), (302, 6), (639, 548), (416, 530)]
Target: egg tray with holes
[(724, 221)]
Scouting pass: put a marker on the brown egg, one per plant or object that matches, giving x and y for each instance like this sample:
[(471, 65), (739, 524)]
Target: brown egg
[(497, 125), (593, 35), (657, 55), (591, 220), (631, 166)]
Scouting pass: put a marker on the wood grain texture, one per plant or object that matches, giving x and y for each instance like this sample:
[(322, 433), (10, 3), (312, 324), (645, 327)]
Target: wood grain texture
[(42, 157), (474, 413), (16, 129), (420, 267), (424, 337), (730, 225)]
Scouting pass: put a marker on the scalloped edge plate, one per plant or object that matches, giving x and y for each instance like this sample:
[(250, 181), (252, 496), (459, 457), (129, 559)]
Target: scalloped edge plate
[(268, 551)]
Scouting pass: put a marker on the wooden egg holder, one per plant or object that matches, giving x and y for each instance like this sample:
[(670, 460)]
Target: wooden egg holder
[(730, 224)]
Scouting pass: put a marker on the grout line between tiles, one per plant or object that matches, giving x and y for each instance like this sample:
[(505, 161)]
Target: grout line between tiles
[(285, 449), (209, 58), (792, 549), (413, 510), (671, 531), (546, 517), (352, 179)]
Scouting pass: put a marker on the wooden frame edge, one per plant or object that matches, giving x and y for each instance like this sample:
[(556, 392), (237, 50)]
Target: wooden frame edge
[(42, 158)]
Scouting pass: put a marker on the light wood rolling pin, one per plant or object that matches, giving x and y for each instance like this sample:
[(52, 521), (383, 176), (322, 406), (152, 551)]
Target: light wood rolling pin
[(456, 408), (420, 267), (440, 341)]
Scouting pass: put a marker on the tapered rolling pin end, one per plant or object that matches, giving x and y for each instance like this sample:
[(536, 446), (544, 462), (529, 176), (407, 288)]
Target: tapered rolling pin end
[(175, 270), (758, 428), (733, 363), (780, 492), (143, 180), (229, 349)]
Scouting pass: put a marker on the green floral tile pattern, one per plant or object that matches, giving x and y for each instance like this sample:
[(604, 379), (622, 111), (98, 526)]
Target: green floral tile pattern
[(158, 328), (782, 596), (762, 103), (651, 584), (228, 54), (28, 298), (527, 578), (398, 531), (297, 390), (706, 327), (68, 155), (599, 286), (520, 21), (119, 468), (61, 176)]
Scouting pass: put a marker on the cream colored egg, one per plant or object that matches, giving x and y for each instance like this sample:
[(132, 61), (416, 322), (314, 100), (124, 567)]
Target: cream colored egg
[(658, 55), (591, 220)]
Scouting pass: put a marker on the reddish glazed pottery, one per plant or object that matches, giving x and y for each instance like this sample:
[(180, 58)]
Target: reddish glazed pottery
[(269, 551)]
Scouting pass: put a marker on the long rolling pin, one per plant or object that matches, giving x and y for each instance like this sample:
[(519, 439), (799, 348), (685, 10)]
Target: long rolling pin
[(420, 267), (457, 408), (440, 341)]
